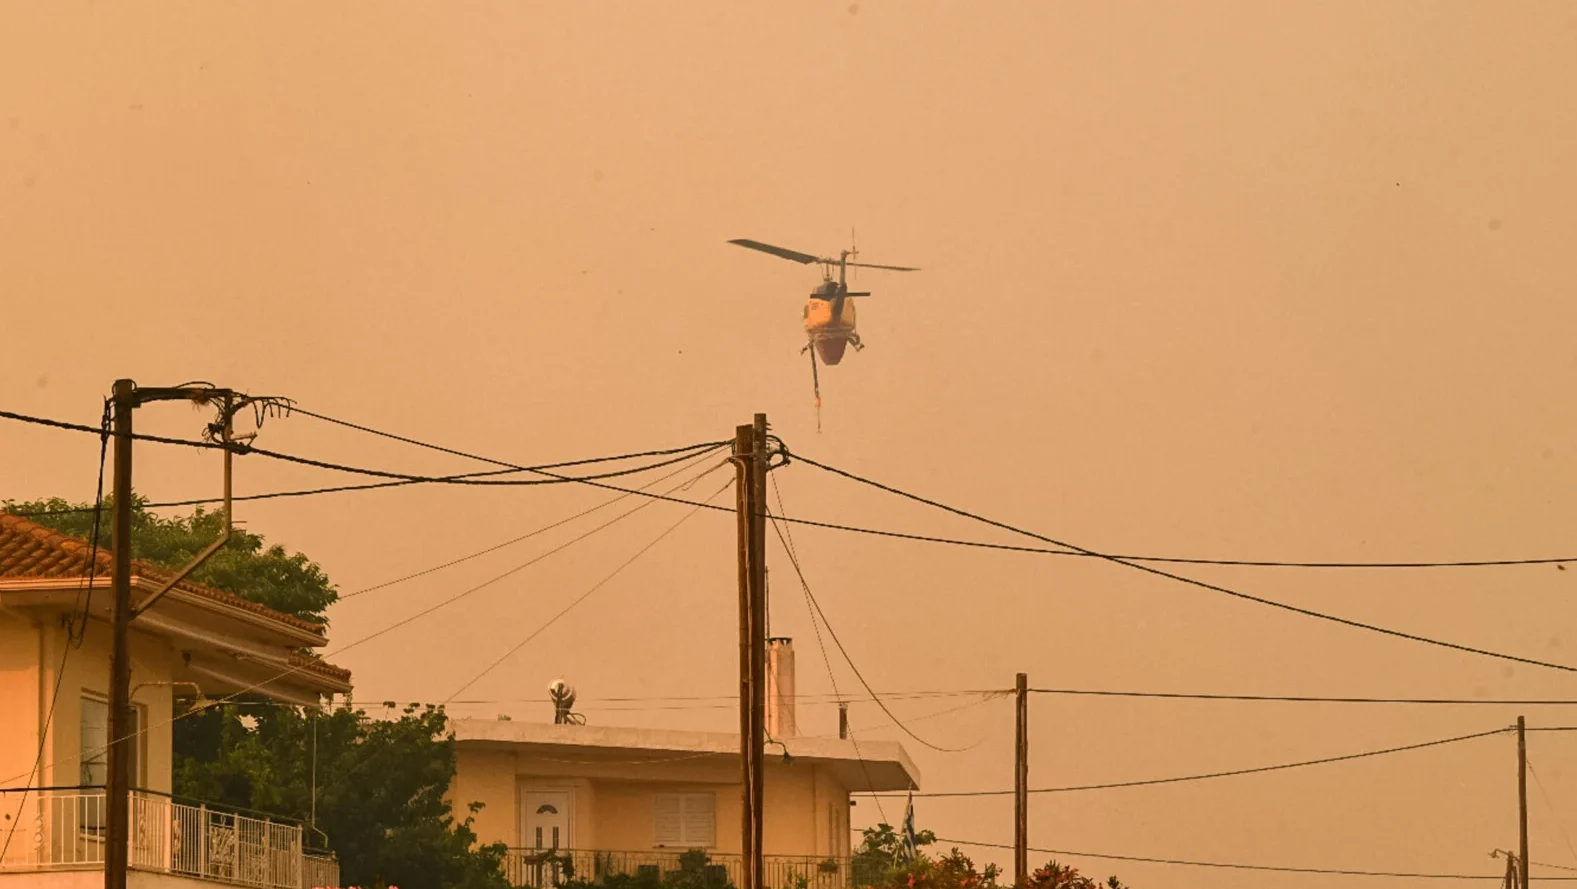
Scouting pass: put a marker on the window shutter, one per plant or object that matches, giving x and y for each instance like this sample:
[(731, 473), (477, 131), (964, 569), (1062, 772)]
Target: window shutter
[(700, 825), (668, 818)]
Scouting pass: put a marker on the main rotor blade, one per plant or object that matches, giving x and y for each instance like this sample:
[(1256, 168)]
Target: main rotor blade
[(890, 268), (784, 252)]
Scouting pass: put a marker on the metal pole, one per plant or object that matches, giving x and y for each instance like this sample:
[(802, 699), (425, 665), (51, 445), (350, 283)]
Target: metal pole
[(758, 642), (743, 465), (1522, 799), (1021, 785), (120, 742)]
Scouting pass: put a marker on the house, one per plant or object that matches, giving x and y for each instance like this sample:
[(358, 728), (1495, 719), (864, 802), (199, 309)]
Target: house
[(195, 642), (602, 800)]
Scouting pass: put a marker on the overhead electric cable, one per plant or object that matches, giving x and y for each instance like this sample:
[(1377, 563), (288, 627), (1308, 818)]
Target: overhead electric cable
[(1338, 872), (805, 585), (582, 597), (335, 489), (1308, 699), (854, 529), (464, 479), (526, 536), (1137, 566), (787, 542), (398, 624), (1226, 774)]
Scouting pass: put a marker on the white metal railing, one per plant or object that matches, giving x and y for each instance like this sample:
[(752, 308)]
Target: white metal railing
[(63, 829), (548, 868)]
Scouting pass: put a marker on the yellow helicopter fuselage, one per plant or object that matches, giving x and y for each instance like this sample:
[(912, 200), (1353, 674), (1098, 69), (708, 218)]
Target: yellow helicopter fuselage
[(828, 334)]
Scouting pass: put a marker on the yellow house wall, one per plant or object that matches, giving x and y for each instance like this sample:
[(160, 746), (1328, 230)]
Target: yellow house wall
[(487, 777), (87, 673), (21, 679), (806, 809), (30, 655)]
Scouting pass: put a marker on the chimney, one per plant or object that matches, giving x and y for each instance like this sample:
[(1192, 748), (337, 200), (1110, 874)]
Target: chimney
[(781, 724)]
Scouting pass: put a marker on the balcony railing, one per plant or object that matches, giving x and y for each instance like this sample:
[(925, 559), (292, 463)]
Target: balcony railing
[(64, 829), (545, 869)]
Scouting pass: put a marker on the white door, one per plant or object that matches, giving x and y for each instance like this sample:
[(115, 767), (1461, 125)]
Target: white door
[(547, 819), (545, 829)]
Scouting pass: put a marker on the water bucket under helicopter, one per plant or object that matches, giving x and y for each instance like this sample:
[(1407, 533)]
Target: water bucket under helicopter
[(830, 348)]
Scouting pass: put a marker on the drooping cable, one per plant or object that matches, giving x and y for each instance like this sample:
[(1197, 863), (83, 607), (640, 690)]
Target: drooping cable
[(1138, 566)]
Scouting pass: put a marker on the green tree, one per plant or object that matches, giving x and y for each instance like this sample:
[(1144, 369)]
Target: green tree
[(269, 575), (878, 864), (377, 798), (379, 793)]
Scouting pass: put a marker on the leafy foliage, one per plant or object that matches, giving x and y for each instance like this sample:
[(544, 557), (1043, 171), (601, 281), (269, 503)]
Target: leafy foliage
[(269, 575), (878, 865), (1055, 876), (694, 872), (380, 787), (373, 790)]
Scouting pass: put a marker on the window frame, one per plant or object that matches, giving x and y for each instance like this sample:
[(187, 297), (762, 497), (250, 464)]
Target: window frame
[(139, 752), (685, 799)]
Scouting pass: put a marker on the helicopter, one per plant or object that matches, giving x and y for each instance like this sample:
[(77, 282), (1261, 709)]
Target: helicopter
[(829, 317)]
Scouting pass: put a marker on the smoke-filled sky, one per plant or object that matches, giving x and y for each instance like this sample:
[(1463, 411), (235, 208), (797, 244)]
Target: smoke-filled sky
[(1284, 281)]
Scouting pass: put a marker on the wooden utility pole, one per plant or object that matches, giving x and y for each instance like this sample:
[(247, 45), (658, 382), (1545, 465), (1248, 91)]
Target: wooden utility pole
[(743, 441), (122, 733), (1021, 786), (758, 642), (118, 792), (750, 459), (1522, 801)]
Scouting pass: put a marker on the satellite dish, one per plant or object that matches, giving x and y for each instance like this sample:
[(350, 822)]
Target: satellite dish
[(563, 696)]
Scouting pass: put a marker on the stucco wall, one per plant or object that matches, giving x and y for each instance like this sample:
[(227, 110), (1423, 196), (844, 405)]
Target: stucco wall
[(487, 777), (806, 808), (30, 654), (20, 684)]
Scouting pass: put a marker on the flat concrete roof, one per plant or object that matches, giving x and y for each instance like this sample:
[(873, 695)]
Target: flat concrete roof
[(873, 766)]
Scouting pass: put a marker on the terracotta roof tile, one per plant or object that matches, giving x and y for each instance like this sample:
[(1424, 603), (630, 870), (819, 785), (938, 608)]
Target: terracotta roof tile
[(28, 549), (312, 664)]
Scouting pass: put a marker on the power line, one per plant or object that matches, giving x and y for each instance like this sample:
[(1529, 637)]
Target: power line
[(1340, 872), (495, 579), (787, 542), (834, 526), (1227, 774), (986, 699), (1307, 699), (1306, 612), (581, 598), (805, 584), (335, 489), (1554, 816), (404, 622), (525, 536)]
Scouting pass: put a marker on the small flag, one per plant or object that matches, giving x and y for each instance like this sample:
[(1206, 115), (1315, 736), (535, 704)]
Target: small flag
[(910, 840)]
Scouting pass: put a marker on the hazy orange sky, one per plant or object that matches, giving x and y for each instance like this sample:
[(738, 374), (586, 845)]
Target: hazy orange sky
[(1264, 280)]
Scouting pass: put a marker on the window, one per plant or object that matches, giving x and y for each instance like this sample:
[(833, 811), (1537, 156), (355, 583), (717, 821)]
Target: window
[(95, 741), (686, 819)]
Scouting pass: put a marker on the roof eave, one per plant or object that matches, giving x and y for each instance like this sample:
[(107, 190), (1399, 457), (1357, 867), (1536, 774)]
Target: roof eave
[(73, 585)]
